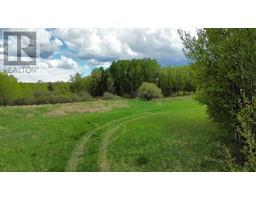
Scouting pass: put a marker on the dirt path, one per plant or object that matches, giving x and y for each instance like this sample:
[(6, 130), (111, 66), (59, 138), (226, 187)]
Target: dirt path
[(111, 127), (103, 160), (78, 150)]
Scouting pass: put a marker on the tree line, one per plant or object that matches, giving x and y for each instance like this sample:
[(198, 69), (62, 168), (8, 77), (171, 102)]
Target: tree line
[(122, 78), (224, 63)]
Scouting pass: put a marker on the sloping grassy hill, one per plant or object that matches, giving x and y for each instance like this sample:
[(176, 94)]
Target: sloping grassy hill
[(118, 135)]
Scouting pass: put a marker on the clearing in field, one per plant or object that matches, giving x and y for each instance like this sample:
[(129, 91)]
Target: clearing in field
[(172, 134)]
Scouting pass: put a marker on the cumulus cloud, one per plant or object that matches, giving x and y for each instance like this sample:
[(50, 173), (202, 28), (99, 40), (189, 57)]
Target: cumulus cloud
[(92, 63), (1, 48), (48, 44), (62, 63), (106, 45), (52, 70)]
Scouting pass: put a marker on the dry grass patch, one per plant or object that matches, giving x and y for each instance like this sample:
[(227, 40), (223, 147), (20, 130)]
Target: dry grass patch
[(86, 107)]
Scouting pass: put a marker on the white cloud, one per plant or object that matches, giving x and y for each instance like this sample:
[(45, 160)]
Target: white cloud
[(1, 49), (51, 70), (110, 44), (48, 45), (57, 69), (92, 63), (63, 62)]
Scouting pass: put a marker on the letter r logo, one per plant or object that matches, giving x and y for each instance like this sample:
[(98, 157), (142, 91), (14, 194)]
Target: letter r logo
[(20, 48)]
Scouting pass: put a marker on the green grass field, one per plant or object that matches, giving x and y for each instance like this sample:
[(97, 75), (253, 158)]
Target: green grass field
[(172, 134)]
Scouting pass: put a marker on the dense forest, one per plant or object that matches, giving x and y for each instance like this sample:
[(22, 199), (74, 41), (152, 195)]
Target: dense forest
[(123, 78)]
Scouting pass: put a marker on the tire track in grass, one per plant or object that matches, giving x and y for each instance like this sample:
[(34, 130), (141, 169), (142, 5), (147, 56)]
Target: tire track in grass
[(78, 150), (103, 160), (123, 126), (103, 163)]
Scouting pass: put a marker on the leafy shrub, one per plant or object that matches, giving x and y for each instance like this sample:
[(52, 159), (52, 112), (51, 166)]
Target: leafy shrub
[(85, 96), (246, 129), (51, 98), (9, 89), (149, 91), (108, 96)]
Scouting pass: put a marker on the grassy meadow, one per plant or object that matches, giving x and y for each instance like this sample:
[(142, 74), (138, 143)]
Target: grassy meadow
[(171, 134)]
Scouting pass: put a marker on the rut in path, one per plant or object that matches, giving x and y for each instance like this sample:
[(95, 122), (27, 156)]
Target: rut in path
[(79, 147), (103, 160), (78, 150)]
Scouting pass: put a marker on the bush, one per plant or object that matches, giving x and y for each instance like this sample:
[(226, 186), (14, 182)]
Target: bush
[(9, 89), (246, 127), (108, 96), (149, 91), (85, 96)]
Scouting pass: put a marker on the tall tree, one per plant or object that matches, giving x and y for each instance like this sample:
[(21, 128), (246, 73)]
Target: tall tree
[(128, 75), (224, 65), (9, 89)]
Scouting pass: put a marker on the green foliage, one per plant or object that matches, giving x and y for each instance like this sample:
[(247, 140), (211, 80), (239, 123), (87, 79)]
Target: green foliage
[(108, 96), (77, 83), (99, 81), (224, 65), (128, 75), (122, 78), (14, 93), (85, 96), (173, 80), (50, 87), (9, 89), (149, 91), (246, 127), (96, 84)]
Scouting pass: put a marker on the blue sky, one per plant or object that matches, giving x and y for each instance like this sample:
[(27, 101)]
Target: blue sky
[(64, 52)]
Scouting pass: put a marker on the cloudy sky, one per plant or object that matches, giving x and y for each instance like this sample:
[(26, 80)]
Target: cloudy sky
[(64, 52)]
